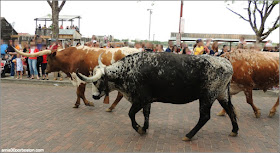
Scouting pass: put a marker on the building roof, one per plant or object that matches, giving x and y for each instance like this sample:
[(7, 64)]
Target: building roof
[(7, 29), (2, 18), (61, 18)]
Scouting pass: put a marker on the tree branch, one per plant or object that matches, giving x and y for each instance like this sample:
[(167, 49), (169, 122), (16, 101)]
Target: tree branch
[(238, 14), (269, 5), (260, 11), (270, 9), (250, 18), (263, 6), (266, 7), (275, 26), (61, 5), (254, 14), (50, 3), (263, 38)]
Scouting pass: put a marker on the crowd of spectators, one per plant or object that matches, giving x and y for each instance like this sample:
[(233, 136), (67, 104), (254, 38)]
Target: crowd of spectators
[(44, 27), (32, 65), (71, 27), (209, 47), (200, 47), (61, 27)]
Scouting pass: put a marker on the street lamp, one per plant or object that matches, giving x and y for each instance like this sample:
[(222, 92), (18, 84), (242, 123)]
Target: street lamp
[(150, 21)]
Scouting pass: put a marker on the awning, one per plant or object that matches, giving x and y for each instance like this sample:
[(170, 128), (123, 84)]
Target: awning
[(61, 18)]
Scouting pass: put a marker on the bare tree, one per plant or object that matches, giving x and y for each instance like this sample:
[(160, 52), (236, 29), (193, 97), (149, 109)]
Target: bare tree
[(55, 16), (264, 9)]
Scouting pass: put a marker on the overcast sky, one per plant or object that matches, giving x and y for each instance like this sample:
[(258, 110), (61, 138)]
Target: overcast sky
[(130, 19)]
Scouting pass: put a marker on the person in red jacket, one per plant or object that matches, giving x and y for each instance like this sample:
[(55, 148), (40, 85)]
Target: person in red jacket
[(44, 65), (32, 61), (54, 47)]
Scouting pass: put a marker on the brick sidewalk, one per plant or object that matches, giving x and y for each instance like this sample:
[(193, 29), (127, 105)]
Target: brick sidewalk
[(42, 117)]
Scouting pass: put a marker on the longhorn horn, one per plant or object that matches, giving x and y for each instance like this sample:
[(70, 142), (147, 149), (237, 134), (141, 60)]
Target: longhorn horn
[(44, 52), (100, 62), (94, 78)]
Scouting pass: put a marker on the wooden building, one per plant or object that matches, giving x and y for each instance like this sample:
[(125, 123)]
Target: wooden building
[(7, 30)]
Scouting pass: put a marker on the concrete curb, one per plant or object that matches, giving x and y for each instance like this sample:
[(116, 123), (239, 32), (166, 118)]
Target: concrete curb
[(37, 82)]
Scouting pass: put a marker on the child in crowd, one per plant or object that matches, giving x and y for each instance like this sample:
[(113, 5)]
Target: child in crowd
[(19, 66), (199, 49)]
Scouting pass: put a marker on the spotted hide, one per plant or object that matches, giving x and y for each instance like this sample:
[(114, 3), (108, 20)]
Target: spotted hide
[(144, 78), (253, 69), (85, 59)]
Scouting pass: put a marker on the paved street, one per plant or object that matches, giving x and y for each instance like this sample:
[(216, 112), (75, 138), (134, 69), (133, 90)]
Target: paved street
[(42, 117)]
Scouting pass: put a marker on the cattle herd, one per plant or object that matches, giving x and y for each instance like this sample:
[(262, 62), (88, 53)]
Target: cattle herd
[(143, 78)]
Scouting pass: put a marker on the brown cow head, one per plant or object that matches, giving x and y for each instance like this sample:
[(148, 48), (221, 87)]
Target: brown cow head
[(53, 64)]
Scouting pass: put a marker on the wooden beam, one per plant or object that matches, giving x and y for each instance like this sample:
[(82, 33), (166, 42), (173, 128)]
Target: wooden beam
[(15, 36), (44, 37)]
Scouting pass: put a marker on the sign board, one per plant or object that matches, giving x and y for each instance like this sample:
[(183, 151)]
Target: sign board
[(178, 39)]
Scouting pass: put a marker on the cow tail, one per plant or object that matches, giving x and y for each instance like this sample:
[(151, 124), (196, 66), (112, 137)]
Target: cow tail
[(232, 110)]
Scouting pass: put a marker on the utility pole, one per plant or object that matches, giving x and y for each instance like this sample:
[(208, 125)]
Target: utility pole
[(150, 21), (181, 14)]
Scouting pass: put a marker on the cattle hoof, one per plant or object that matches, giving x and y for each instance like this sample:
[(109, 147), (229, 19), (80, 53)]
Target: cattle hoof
[(258, 114), (90, 104), (186, 139), (109, 110), (271, 114), (141, 131), (76, 106), (232, 134)]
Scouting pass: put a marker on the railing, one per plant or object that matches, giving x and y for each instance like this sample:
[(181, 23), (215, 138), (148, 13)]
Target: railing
[(43, 32)]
